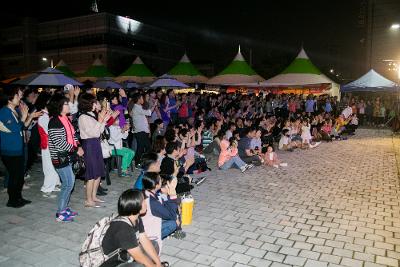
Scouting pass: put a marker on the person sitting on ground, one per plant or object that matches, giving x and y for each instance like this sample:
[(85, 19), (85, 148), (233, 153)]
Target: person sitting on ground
[(271, 158), (159, 147), (247, 154), (116, 136), (231, 129), (306, 135), (326, 130), (285, 143), (149, 163), (166, 210), (130, 237), (229, 158)]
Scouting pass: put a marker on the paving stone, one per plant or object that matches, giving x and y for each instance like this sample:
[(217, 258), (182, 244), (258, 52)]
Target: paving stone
[(289, 251), (313, 263), (222, 263), (271, 247), (292, 260), (186, 255), (222, 253), (240, 258), (259, 262), (330, 258), (204, 259), (238, 248), (273, 256), (254, 252), (387, 261), (351, 262)]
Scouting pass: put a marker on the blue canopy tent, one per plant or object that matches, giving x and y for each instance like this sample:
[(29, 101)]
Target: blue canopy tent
[(371, 82), (47, 77)]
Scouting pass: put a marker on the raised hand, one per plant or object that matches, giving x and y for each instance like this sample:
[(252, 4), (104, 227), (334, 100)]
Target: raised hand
[(77, 91)]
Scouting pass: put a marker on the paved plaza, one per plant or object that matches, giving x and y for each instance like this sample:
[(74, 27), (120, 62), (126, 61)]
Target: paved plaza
[(336, 205)]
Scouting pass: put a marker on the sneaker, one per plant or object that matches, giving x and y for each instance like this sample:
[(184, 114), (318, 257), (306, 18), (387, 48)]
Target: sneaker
[(179, 234), (48, 195), (124, 174), (244, 168), (249, 166), (64, 217), (70, 212), (57, 189)]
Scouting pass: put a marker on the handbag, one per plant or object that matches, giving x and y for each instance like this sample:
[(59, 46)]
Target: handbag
[(106, 149), (78, 164)]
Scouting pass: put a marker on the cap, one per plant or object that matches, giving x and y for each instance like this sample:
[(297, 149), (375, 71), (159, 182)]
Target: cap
[(68, 87)]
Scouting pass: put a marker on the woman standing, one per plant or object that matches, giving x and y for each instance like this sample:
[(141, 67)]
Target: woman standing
[(91, 127), (13, 120), (51, 178), (62, 144)]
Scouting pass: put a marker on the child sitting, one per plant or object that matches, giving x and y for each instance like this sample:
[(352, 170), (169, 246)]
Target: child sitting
[(116, 136), (271, 159)]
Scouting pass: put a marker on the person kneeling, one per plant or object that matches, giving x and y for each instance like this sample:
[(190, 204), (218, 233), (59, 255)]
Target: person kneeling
[(163, 211)]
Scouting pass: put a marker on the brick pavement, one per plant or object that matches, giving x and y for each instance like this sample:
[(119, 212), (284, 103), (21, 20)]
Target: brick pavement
[(336, 205)]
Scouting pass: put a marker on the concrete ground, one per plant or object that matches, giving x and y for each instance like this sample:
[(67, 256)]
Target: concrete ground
[(336, 205)]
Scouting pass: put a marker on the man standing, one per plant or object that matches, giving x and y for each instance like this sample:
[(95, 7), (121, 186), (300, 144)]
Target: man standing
[(141, 126)]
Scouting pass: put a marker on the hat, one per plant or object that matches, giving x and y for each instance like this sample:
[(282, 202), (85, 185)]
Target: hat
[(68, 87)]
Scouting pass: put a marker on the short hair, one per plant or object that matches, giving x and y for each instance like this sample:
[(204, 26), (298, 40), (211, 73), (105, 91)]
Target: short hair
[(56, 104), (183, 132), (43, 100), (130, 202), (151, 180), (148, 159), (85, 102), (171, 147), (136, 97), (8, 94), (158, 121), (170, 135), (159, 144), (285, 131)]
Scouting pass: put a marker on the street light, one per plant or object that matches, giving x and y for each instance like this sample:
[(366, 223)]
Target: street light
[(44, 59), (332, 70), (395, 26)]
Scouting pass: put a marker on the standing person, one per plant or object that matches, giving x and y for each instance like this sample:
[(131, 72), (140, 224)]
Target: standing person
[(310, 103), (119, 102), (13, 118), (173, 105), (377, 110), (183, 112), (369, 112), (153, 101), (141, 126), (91, 127), (165, 111), (51, 178), (62, 143), (361, 111), (72, 93)]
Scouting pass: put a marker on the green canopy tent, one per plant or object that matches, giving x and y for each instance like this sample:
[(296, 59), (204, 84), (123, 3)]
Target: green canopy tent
[(95, 71), (236, 73), (186, 72), (137, 72), (63, 67), (302, 73)]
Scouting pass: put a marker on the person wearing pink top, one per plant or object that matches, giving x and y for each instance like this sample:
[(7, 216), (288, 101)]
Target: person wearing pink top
[(271, 158), (228, 157)]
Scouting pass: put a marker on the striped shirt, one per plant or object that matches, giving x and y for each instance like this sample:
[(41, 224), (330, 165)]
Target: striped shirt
[(58, 141)]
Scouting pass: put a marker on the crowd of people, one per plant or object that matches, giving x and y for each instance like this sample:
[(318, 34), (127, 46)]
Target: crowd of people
[(170, 139)]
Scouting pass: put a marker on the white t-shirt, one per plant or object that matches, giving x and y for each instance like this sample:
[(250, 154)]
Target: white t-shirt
[(283, 141), (73, 107), (347, 112)]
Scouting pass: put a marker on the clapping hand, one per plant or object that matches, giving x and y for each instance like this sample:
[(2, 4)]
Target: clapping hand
[(77, 91), (23, 109), (36, 114), (115, 114), (122, 92)]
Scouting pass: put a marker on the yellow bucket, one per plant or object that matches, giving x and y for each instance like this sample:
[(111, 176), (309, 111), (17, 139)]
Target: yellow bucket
[(187, 210)]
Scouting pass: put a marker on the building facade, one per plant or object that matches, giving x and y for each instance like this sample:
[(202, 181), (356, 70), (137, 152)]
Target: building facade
[(116, 40)]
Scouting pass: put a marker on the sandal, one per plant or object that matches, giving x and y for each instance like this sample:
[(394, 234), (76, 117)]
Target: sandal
[(87, 205)]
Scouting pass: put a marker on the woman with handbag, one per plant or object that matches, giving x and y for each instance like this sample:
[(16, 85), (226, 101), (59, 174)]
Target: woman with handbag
[(63, 146), (91, 126)]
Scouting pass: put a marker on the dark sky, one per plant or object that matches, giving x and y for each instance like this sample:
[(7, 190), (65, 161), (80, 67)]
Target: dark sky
[(274, 30)]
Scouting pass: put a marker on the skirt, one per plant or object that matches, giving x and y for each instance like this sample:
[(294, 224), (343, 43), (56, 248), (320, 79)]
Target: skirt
[(93, 158)]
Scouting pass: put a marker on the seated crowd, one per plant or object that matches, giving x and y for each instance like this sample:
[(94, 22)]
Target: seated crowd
[(169, 138)]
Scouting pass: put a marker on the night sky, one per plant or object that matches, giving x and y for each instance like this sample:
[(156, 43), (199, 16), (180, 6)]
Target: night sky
[(274, 31)]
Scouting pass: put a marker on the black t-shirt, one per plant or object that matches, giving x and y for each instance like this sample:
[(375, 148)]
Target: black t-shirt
[(243, 145), (121, 235), (167, 166)]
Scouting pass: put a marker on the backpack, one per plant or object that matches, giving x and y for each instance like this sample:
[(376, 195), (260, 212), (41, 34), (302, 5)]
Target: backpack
[(92, 254)]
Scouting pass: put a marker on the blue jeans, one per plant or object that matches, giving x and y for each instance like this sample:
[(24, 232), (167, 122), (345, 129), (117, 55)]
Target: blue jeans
[(167, 228), (67, 178), (235, 161)]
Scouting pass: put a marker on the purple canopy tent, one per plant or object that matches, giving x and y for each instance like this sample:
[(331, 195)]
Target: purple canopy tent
[(47, 77)]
